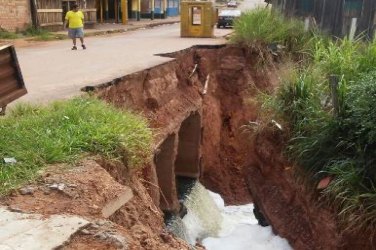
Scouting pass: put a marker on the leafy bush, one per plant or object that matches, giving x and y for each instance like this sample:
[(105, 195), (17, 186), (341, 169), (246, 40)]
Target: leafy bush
[(64, 131)]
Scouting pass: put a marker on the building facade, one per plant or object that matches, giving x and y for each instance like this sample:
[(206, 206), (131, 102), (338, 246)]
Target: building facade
[(49, 14), (14, 14)]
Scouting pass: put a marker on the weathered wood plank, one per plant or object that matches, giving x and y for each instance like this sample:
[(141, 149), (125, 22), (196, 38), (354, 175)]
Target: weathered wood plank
[(50, 10)]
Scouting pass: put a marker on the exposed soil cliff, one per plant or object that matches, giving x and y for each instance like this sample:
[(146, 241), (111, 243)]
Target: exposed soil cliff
[(85, 190)]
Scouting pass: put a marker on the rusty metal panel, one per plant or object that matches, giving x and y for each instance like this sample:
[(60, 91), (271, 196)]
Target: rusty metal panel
[(12, 85)]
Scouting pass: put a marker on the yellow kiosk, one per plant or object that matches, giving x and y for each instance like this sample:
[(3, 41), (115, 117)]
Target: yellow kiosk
[(197, 19)]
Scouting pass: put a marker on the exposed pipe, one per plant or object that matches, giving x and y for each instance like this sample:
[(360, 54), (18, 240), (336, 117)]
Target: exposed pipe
[(194, 70), (206, 85)]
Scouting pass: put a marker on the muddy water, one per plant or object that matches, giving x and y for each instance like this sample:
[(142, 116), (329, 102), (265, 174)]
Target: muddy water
[(216, 226)]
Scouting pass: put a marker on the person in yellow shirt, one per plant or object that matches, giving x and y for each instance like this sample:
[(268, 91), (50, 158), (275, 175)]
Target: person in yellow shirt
[(74, 19)]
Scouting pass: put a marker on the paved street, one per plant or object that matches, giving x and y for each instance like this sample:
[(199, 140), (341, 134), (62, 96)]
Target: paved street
[(52, 71)]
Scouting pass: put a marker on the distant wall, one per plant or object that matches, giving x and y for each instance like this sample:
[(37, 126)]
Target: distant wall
[(14, 14), (334, 16)]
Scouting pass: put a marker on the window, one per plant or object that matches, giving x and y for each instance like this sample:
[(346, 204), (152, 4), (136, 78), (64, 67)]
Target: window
[(196, 15)]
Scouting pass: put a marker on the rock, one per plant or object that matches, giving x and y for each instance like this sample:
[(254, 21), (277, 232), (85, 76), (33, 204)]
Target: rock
[(14, 209), (118, 240), (94, 226), (27, 191), (10, 160), (102, 236), (57, 186), (86, 232), (166, 237), (101, 222)]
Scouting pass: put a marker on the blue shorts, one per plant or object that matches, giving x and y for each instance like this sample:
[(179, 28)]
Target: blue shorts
[(76, 33)]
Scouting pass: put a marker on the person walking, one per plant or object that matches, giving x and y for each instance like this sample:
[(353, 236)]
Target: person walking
[(74, 20)]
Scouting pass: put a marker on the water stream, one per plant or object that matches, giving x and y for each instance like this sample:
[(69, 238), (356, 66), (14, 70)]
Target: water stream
[(219, 227)]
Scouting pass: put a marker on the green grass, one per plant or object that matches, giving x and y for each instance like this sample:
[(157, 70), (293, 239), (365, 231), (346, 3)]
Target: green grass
[(323, 142), (37, 34), (341, 146), (7, 35), (266, 27), (63, 132), (40, 34)]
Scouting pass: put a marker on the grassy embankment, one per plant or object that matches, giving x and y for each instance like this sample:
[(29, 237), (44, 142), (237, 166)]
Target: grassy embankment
[(65, 131), (326, 139), (30, 32)]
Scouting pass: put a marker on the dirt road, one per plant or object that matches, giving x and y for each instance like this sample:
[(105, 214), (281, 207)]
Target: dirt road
[(52, 71)]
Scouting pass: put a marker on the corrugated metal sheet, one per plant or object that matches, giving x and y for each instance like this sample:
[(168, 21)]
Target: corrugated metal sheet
[(334, 16), (12, 85)]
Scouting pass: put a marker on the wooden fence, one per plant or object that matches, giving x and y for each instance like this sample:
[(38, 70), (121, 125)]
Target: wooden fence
[(50, 13), (334, 16), (11, 81)]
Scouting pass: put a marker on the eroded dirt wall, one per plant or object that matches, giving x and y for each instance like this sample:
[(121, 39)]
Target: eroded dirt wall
[(287, 206), (232, 163), (225, 148), (169, 93), (296, 213)]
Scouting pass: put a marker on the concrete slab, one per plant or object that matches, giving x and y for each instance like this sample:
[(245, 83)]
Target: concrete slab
[(115, 204), (20, 231)]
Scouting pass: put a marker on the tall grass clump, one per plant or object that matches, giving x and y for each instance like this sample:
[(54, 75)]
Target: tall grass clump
[(65, 131), (344, 58), (39, 34), (330, 140), (347, 152), (341, 145), (269, 27), (4, 34)]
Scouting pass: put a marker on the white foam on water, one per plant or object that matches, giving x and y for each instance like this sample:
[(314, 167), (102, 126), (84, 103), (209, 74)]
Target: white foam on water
[(203, 218), (220, 227), (240, 230)]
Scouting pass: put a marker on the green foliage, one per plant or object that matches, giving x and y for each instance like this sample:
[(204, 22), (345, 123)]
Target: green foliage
[(367, 60), (341, 145), (40, 34), (7, 35), (37, 34), (339, 58), (64, 131), (264, 26)]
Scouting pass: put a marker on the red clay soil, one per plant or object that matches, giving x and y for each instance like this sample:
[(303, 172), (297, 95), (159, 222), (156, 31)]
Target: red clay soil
[(170, 92), (233, 74), (87, 188), (294, 212)]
